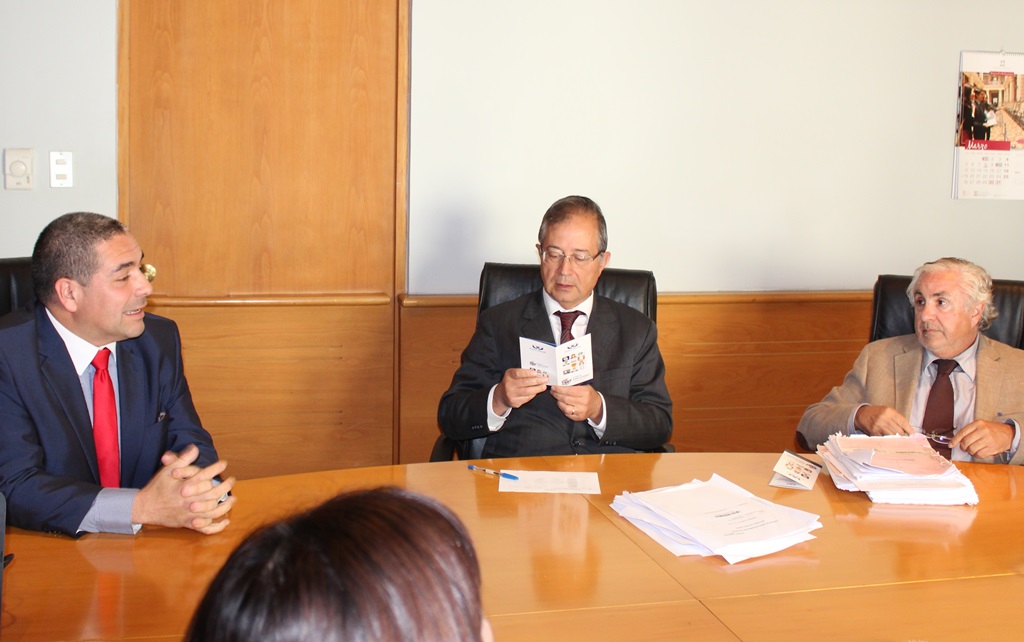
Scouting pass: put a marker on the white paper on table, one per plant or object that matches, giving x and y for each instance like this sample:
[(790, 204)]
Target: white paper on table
[(550, 481), (565, 365), (926, 478), (715, 517)]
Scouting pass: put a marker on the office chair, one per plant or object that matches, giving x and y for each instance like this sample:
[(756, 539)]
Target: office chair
[(892, 314), (15, 283), (500, 282)]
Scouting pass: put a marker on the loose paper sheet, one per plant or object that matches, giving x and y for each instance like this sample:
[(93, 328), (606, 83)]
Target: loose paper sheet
[(550, 481)]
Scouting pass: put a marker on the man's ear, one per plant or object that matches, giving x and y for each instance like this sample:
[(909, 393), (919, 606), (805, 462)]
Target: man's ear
[(976, 313), (68, 293)]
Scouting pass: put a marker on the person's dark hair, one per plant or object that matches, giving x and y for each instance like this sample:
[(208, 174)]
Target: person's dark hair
[(380, 564), (569, 206), (66, 248)]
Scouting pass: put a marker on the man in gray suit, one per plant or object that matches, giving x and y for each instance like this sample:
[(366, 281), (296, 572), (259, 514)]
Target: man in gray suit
[(626, 408), (887, 391)]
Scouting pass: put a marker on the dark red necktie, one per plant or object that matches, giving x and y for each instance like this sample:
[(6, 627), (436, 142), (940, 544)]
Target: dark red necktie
[(567, 318), (104, 422), (938, 412)]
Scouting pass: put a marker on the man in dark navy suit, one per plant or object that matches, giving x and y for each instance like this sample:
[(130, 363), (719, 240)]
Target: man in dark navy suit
[(626, 408), (90, 295)]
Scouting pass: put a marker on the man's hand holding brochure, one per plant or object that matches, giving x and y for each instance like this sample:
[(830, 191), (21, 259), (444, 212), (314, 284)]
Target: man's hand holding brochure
[(565, 365)]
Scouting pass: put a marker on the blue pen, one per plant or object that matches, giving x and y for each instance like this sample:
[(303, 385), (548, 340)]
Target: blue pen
[(496, 473)]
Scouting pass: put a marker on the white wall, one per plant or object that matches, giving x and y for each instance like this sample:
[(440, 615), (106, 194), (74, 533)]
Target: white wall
[(734, 145), (58, 92)]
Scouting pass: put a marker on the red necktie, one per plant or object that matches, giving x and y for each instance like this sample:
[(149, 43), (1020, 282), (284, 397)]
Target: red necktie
[(567, 318), (938, 412), (104, 422)]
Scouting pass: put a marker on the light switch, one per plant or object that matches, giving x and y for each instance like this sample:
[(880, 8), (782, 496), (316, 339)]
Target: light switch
[(60, 170), (18, 169)]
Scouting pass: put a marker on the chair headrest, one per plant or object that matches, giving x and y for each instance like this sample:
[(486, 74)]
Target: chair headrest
[(15, 284), (500, 282)]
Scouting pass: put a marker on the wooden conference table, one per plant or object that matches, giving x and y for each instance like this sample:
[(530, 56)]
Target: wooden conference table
[(566, 567)]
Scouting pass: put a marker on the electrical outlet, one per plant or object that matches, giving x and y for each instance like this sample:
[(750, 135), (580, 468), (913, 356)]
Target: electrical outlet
[(61, 170)]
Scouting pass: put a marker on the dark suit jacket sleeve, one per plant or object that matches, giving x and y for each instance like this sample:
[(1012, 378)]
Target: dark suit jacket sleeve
[(638, 406), (157, 411), (462, 411), (37, 497)]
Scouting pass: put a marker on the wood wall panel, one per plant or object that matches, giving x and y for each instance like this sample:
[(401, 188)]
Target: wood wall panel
[(260, 140), (434, 331), (291, 389), (741, 369), (262, 166)]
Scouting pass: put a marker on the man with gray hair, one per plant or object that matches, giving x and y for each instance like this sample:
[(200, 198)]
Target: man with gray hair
[(897, 385)]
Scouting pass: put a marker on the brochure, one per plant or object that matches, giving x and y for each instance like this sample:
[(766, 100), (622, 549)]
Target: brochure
[(565, 365)]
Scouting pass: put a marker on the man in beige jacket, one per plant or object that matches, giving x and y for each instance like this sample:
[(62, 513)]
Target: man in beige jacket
[(887, 390)]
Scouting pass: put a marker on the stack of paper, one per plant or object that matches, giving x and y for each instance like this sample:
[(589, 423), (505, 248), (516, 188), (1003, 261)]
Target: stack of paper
[(715, 517), (895, 470)]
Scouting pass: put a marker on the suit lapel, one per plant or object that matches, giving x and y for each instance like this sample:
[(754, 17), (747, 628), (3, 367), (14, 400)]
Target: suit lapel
[(535, 323), (58, 372), (907, 364), (990, 379), (599, 325), (133, 419)]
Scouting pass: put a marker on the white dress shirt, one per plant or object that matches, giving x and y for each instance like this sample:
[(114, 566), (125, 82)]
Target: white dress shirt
[(111, 512)]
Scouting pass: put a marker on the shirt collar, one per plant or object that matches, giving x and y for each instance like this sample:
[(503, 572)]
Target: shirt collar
[(967, 360), (81, 351), (552, 306)]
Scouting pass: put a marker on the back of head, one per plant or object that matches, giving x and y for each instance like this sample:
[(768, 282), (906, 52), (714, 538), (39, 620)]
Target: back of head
[(66, 248), (382, 564)]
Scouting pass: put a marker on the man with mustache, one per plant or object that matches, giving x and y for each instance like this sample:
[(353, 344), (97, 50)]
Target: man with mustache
[(98, 428), (887, 392)]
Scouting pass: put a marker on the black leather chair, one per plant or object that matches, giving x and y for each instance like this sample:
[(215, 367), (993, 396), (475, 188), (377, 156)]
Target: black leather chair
[(15, 283), (892, 314), (500, 282)]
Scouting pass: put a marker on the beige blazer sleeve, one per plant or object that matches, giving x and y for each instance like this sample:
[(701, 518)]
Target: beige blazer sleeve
[(1000, 390), (885, 374)]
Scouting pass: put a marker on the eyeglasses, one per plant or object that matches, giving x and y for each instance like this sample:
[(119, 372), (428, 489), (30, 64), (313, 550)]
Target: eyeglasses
[(555, 257), (940, 438)]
